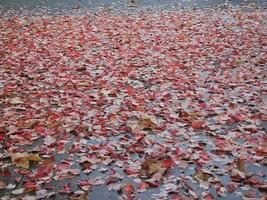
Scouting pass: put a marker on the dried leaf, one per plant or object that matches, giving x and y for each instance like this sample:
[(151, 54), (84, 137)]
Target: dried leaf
[(18, 191), (16, 100), (48, 140), (129, 191), (202, 176), (82, 196), (2, 185), (151, 166), (241, 165), (196, 124), (23, 159)]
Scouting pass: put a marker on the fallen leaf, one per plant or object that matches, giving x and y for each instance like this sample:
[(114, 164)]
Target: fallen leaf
[(196, 124), (251, 194), (207, 196), (129, 191), (65, 188), (131, 170), (16, 100), (151, 166), (48, 140), (142, 186), (45, 167), (147, 121), (262, 151), (18, 191), (23, 159), (79, 196), (202, 176), (237, 175), (167, 163), (231, 187), (2, 185), (30, 186), (241, 165)]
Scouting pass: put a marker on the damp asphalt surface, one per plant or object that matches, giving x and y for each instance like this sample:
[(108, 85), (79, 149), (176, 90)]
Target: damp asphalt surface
[(55, 6)]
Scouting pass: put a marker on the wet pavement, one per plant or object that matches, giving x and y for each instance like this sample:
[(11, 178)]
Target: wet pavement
[(55, 6)]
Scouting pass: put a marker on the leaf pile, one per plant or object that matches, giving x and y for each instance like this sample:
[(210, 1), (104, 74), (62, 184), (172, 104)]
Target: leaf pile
[(174, 101)]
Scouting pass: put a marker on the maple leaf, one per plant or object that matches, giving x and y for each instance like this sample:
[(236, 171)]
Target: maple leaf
[(48, 140), (5, 172), (23, 159), (113, 178), (207, 196), (45, 168), (85, 185), (167, 163), (2, 133), (151, 166), (131, 170), (241, 165), (144, 122), (18, 191), (262, 150), (197, 124), (129, 191), (2, 185), (16, 100), (200, 175), (251, 194), (237, 175), (79, 196), (30, 186), (155, 179), (142, 186), (66, 188), (147, 121), (231, 187)]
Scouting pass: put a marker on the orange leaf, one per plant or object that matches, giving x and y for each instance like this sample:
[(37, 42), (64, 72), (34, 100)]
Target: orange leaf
[(167, 163), (128, 190), (196, 124), (142, 186)]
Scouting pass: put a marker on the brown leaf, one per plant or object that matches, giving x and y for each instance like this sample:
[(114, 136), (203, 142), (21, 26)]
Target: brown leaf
[(147, 121), (83, 196), (241, 165), (2, 185), (144, 122), (81, 69), (23, 159), (152, 166), (202, 176)]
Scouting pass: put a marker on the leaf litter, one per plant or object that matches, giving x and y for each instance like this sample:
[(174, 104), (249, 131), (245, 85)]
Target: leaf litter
[(163, 101)]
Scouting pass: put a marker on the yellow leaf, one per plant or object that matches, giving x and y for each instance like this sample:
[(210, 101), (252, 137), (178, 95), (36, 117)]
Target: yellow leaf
[(34, 157), (23, 159)]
